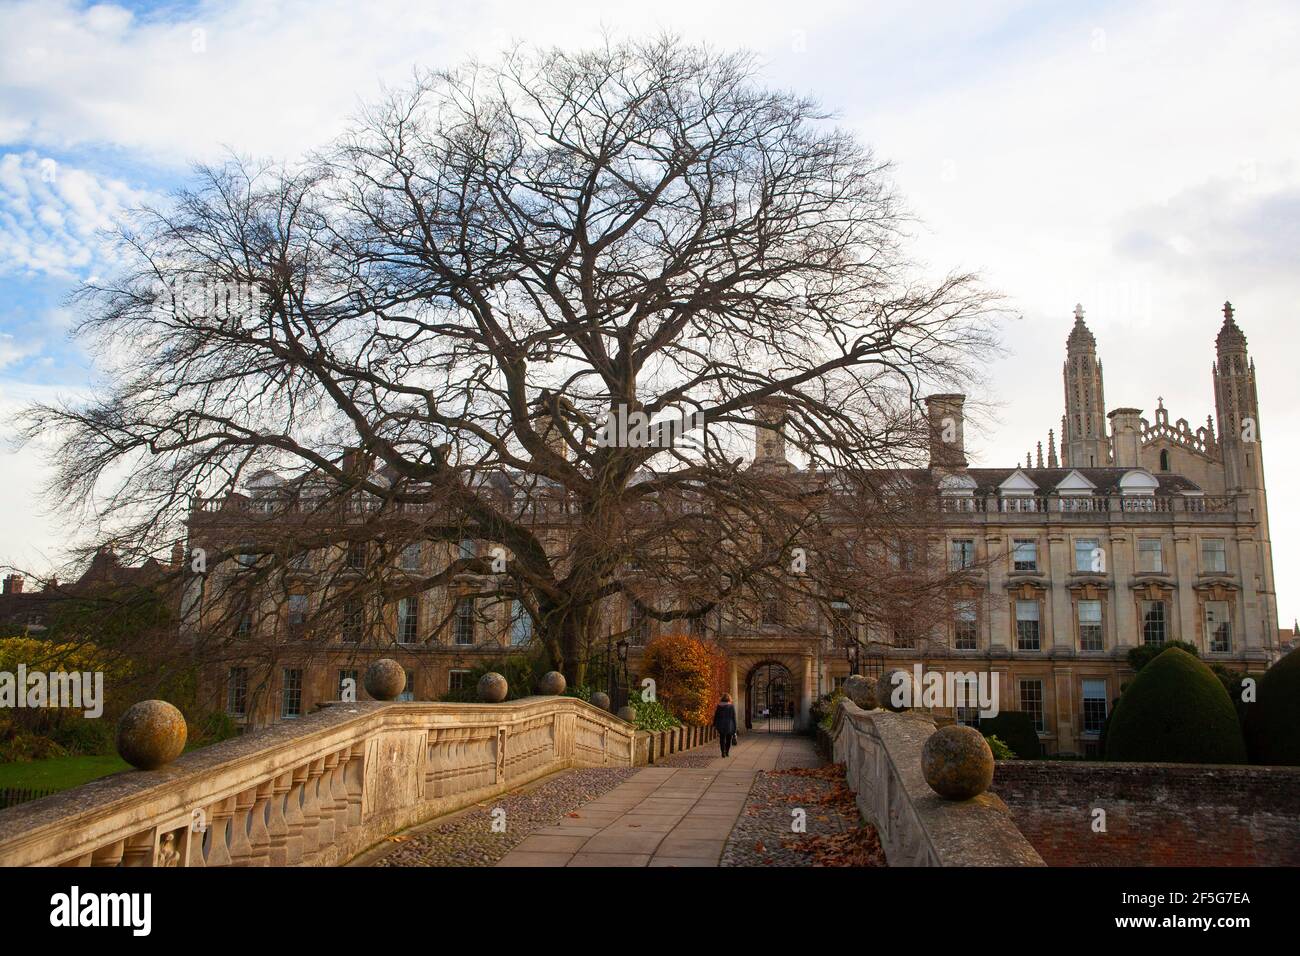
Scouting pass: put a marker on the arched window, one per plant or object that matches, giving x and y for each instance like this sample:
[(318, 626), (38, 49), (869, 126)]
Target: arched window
[(1164, 459)]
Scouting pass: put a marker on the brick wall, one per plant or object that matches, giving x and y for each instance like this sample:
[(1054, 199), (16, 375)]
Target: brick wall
[(1156, 814)]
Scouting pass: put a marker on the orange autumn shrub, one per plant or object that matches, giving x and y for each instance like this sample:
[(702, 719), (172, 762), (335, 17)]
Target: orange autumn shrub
[(689, 674)]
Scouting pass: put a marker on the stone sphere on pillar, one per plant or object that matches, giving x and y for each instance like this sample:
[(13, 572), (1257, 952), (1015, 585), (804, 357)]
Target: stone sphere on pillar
[(385, 679), (627, 713), (552, 684), (862, 691), (151, 734), (957, 762), (492, 688), (600, 699), (896, 680)]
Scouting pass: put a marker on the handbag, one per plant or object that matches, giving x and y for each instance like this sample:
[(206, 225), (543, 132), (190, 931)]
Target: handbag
[(735, 739)]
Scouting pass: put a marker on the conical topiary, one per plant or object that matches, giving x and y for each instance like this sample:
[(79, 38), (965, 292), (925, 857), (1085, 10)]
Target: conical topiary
[(1273, 720), (1175, 711)]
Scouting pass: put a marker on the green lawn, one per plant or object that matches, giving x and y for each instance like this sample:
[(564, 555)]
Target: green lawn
[(59, 773)]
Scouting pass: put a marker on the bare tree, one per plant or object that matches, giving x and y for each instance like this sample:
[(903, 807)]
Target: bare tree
[(432, 331)]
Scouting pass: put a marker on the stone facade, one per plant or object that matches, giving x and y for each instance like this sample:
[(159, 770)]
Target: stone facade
[(1152, 532)]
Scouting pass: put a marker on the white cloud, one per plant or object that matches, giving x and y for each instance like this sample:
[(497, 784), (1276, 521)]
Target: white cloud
[(50, 215)]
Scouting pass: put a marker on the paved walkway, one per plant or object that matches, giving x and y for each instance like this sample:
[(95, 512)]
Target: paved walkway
[(664, 815)]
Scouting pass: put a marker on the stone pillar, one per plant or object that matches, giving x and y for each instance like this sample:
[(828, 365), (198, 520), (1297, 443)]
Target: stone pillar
[(1126, 437), (1121, 567), (1186, 562), (805, 704), (1060, 632)]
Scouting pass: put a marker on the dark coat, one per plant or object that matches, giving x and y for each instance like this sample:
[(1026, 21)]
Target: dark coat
[(724, 719)]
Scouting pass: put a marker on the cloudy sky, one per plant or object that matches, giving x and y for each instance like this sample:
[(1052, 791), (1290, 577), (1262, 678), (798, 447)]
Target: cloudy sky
[(1139, 158)]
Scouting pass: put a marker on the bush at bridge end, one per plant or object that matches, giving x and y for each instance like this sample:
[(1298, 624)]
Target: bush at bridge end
[(1273, 721), (1175, 711), (689, 674), (1015, 728)]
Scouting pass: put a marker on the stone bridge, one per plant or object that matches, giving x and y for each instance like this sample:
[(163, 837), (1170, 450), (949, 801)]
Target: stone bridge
[(320, 790)]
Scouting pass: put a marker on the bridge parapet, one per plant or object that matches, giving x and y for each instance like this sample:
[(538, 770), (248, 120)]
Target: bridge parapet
[(313, 791), (881, 752)]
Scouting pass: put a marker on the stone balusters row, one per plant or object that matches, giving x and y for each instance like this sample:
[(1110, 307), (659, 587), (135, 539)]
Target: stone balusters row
[(287, 820)]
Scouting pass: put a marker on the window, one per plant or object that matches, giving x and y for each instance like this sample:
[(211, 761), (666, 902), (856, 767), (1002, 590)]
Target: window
[(965, 630), (1150, 556), (1094, 706), (904, 556), (463, 624), (1027, 638), (246, 556), (245, 626), (348, 685), (1164, 459), (1031, 702), (291, 693), (297, 610), (904, 636), (353, 621), (1213, 556), (841, 624), (466, 549), (638, 626), (457, 679), (1090, 638), (410, 558), (408, 692), (521, 624), (1025, 555), (1153, 622), (962, 554), (237, 692), (408, 620), (968, 713), (1218, 627), (1087, 555), (356, 558), (837, 683)]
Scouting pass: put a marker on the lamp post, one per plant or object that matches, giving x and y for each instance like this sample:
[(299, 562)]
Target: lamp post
[(851, 652), (622, 656), (609, 663)]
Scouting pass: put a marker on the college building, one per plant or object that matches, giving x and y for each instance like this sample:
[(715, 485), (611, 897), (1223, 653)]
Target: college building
[(1137, 531)]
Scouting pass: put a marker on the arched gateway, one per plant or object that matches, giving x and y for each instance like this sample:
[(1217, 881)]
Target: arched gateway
[(771, 698)]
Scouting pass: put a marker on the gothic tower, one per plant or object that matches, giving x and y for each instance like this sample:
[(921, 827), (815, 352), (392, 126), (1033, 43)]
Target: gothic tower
[(1237, 406), (1083, 440)]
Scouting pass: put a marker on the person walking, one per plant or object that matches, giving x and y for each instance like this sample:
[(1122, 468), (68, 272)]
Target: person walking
[(724, 721)]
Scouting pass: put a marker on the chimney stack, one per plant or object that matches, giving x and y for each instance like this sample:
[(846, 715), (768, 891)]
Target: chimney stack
[(13, 584), (1125, 437), (947, 441)]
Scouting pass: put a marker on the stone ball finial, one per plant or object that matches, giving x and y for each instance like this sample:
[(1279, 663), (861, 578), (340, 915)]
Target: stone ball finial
[(600, 699), (957, 762), (895, 690), (862, 691), (552, 684), (151, 734), (492, 688), (385, 679), (627, 713)]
